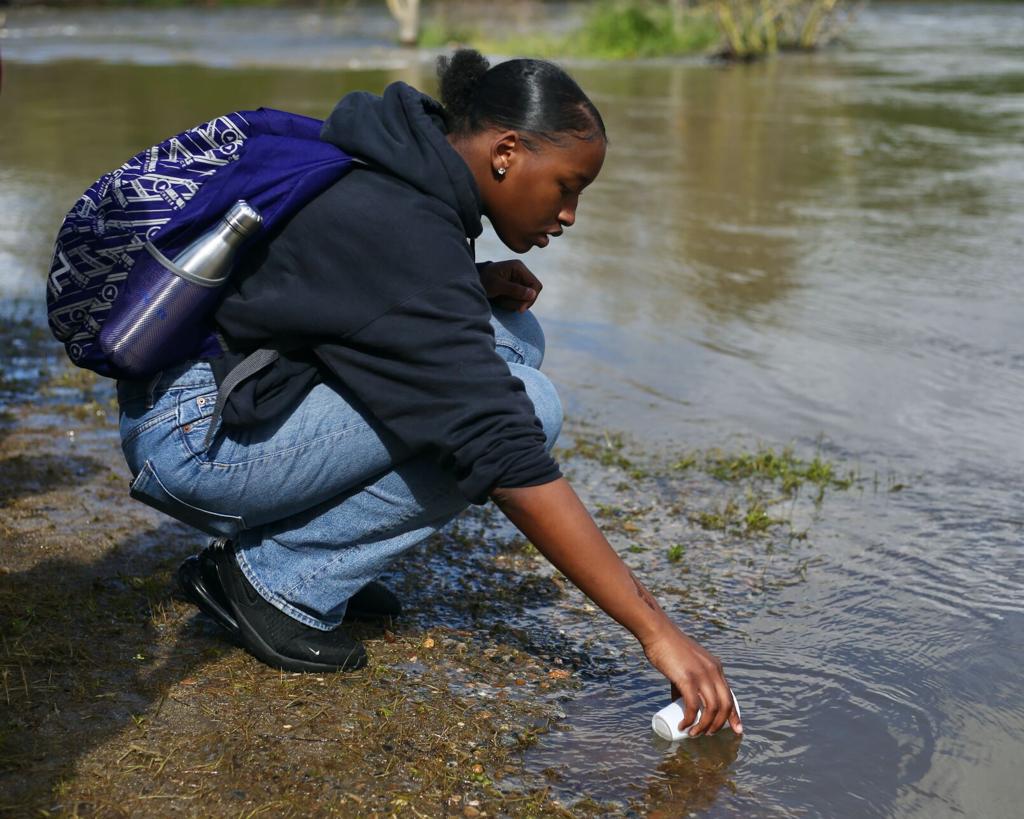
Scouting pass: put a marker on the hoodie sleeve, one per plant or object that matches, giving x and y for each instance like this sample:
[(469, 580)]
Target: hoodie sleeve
[(427, 369)]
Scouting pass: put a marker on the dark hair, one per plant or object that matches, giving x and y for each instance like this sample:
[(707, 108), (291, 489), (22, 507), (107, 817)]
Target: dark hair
[(534, 96)]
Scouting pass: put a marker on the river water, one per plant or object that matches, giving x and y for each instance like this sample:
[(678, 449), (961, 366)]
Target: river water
[(820, 251)]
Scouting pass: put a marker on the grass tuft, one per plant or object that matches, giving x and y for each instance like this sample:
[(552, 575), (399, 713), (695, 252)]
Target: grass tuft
[(783, 467)]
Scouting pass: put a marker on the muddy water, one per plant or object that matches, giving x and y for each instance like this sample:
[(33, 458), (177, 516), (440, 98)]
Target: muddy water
[(821, 251)]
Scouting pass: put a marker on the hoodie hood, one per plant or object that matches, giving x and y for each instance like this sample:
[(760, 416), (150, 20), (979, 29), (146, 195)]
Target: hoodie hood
[(403, 133)]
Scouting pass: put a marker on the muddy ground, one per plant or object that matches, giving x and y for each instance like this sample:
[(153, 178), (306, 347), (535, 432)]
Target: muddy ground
[(120, 699)]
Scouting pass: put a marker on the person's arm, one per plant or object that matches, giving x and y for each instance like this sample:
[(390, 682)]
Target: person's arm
[(556, 522)]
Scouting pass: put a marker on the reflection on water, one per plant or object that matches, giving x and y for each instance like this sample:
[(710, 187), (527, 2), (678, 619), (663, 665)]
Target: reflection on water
[(822, 249)]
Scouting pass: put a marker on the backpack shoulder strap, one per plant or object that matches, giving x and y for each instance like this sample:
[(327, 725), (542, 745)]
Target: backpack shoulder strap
[(249, 366)]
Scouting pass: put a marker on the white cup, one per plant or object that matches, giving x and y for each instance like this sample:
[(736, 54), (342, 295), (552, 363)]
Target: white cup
[(666, 722)]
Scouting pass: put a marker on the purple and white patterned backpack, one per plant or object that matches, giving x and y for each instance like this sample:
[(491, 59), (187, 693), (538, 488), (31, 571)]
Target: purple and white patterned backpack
[(114, 244)]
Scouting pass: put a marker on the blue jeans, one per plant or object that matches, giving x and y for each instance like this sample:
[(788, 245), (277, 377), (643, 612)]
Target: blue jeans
[(318, 502)]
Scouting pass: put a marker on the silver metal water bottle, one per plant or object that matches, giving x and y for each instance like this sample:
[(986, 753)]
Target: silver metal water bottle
[(211, 255), (160, 318)]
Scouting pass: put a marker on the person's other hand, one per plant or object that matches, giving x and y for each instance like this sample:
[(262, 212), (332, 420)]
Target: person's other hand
[(511, 285), (697, 676)]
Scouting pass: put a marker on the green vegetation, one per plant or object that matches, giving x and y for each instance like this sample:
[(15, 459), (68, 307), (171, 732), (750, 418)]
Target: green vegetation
[(610, 30), (756, 28), (607, 450), (622, 29), (782, 467), (638, 29), (730, 516), (768, 478), (757, 518), (760, 481)]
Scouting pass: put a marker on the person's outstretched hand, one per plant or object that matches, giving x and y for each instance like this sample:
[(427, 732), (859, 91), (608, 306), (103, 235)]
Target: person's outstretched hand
[(511, 285), (697, 676)]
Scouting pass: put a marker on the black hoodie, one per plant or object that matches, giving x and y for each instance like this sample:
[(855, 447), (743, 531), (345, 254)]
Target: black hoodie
[(372, 287)]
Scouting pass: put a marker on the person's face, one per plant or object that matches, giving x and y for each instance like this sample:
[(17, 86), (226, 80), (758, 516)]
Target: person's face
[(539, 192)]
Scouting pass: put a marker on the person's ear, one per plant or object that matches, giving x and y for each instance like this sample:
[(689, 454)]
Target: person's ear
[(504, 151)]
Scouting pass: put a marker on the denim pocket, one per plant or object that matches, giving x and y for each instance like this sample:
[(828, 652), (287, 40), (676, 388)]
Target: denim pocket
[(150, 490), (194, 415)]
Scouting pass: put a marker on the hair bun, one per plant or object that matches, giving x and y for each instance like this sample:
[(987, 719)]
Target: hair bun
[(460, 77)]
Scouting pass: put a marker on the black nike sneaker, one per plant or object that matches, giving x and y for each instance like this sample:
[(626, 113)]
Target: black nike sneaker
[(374, 601), (198, 581), (273, 637), (197, 578)]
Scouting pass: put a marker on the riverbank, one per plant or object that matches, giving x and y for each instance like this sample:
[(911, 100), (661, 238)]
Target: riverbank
[(121, 700)]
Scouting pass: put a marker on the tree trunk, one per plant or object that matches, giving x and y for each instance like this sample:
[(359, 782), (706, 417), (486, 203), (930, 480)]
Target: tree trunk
[(407, 13), (678, 8)]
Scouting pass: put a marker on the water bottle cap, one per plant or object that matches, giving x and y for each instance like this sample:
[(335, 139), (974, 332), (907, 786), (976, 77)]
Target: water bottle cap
[(243, 218)]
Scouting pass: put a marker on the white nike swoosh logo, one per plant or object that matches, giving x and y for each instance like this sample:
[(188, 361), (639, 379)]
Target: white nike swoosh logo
[(314, 651)]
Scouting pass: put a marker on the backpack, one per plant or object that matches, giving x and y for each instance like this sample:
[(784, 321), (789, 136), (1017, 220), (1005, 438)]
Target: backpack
[(119, 239)]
